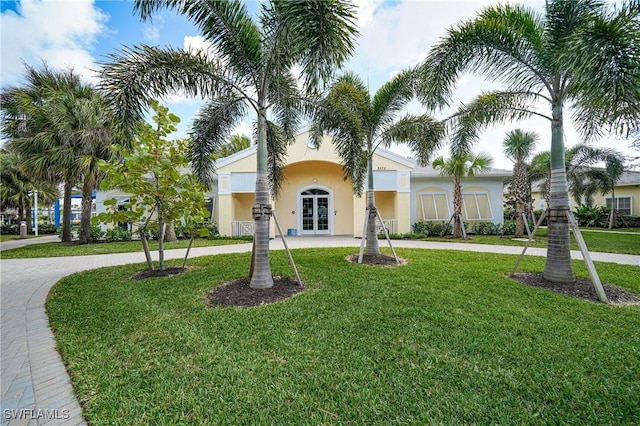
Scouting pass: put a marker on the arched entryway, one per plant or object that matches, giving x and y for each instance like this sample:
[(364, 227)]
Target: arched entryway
[(315, 211)]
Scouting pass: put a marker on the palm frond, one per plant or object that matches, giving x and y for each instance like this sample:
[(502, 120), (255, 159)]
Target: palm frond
[(209, 132), (504, 43), (131, 77), (421, 133), (486, 109), (389, 100), (604, 56), (318, 35)]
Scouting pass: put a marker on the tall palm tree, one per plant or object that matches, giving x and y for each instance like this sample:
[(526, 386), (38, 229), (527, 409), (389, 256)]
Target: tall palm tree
[(579, 52), (461, 166), (518, 147), (359, 123), (253, 69), (28, 113), (61, 127)]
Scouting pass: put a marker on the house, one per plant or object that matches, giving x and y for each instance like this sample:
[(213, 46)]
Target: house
[(627, 196), (316, 200)]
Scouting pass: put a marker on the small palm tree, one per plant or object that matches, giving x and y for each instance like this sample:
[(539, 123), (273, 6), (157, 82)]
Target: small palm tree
[(253, 70), (236, 144), (461, 166), (579, 52), (359, 123), (518, 147)]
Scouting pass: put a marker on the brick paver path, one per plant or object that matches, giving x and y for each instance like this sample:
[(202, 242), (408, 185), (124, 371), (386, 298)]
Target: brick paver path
[(35, 387)]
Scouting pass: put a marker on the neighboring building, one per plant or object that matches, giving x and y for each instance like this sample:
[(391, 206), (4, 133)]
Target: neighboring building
[(316, 200), (627, 192)]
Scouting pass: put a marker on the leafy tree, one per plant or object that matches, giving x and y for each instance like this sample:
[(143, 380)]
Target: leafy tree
[(152, 174), (461, 166), (359, 123), (518, 147), (579, 53), (253, 69)]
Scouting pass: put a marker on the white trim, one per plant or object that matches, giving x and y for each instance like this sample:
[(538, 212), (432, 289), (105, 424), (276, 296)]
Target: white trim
[(330, 216), (630, 197)]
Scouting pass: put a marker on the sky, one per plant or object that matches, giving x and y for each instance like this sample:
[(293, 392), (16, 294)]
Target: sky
[(394, 35)]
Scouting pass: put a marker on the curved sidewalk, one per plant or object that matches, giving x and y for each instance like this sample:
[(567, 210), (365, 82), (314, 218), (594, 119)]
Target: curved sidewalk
[(35, 385)]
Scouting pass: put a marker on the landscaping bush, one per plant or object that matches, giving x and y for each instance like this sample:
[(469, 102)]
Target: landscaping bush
[(117, 234), (431, 229), (591, 216), (96, 233), (47, 228), (10, 229)]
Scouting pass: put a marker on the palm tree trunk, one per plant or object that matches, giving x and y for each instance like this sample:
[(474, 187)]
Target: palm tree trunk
[(457, 208), (85, 220), (373, 248), (66, 212), (261, 277), (170, 234), (558, 267)]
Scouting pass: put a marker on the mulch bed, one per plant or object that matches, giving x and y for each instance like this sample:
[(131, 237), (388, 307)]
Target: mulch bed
[(239, 293), (581, 289), (376, 260), (156, 273)]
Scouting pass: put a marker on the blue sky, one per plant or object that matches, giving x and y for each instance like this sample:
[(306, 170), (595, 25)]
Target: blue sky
[(394, 35)]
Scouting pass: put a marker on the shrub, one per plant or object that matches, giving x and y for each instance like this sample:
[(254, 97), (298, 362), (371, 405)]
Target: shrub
[(431, 229), (117, 234), (10, 229), (591, 216), (46, 228), (96, 233)]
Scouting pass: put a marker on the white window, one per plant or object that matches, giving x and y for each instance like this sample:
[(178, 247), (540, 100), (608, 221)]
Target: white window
[(435, 206), (622, 205), (476, 206)]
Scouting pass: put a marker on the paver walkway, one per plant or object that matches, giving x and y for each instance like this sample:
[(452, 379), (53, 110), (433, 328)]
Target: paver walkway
[(35, 387)]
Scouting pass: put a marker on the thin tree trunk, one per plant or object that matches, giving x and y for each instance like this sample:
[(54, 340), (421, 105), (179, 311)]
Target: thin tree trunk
[(558, 267), (457, 208), (261, 277), (66, 212), (161, 226), (145, 247), (85, 220)]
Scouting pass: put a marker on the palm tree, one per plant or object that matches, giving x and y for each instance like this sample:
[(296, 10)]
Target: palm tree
[(236, 144), (539, 170), (579, 53), (360, 123), (607, 178), (17, 188), (461, 166), (518, 146), (61, 128), (253, 69)]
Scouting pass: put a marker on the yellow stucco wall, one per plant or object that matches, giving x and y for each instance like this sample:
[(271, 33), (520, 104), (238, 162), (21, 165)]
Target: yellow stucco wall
[(320, 174), (308, 167)]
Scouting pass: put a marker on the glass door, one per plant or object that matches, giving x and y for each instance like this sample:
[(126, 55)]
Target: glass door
[(315, 212)]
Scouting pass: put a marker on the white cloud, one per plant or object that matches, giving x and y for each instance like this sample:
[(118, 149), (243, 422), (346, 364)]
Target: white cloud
[(58, 32)]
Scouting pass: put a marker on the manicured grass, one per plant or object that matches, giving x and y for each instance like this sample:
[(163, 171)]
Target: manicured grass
[(11, 237), (416, 344), (59, 249), (608, 242)]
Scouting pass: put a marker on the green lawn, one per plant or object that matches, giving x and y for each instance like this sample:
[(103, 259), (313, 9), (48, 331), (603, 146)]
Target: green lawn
[(415, 344), (603, 241), (60, 249), (11, 237)]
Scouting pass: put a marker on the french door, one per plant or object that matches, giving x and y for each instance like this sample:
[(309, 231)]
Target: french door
[(315, 218)]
